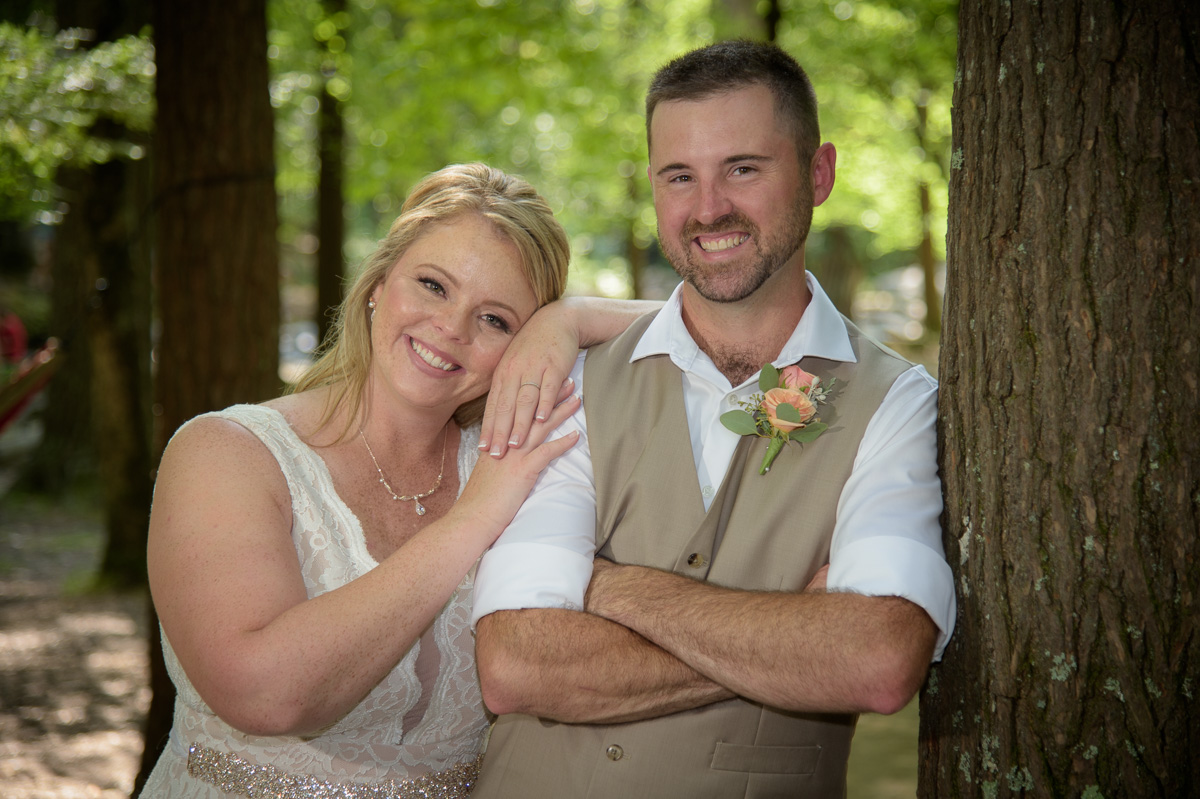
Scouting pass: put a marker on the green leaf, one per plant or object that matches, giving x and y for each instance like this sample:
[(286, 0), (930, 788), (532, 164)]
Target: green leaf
[(808, 432), (787, 412), (768, 378), (739, 422)]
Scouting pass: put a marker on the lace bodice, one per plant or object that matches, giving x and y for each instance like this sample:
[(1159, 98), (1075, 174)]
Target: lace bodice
[(426, 715)]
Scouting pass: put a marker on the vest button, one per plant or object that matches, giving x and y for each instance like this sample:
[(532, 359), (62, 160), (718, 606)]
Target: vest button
[(614, 752), (695, 560)]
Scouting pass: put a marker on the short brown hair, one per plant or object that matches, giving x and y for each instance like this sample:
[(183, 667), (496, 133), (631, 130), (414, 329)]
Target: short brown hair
[(728, 66)]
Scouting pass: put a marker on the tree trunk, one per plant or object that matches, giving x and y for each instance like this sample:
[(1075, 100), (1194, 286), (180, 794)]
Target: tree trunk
[(217, 265), (65, 449), (1068, 406), (635, 251), (108, 261), (116, 264), (928, 262), (840, 269), (331, 222), (331, 219)]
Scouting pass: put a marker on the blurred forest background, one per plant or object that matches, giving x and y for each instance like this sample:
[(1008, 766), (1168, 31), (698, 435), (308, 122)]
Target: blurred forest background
[(370, 95), (366, 97)]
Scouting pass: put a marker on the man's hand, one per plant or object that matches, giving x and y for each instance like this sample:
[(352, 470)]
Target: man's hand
[(807, 651)]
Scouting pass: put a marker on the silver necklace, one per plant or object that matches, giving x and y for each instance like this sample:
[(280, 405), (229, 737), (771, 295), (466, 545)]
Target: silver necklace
[(415, 498)]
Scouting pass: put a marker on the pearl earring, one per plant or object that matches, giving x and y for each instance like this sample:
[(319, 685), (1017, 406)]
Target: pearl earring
[(371, 305)]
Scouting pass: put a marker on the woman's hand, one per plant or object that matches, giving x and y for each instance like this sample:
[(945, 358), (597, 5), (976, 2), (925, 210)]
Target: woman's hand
[(498, 486), (531, 378)]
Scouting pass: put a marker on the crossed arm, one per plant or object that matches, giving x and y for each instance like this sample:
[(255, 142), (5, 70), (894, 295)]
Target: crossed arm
[(653, 643)]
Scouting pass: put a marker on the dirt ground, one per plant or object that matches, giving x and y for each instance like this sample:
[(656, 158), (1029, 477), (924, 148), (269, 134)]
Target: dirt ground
[(73, 665)]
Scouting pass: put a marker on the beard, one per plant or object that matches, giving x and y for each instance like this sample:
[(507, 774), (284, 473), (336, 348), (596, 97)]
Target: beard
[(736, 280)]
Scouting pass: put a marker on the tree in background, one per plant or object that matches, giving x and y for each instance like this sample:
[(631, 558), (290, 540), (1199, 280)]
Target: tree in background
[(331, 135), (884, 71), (1068, 407), (104, 250), (553, 91), (77, 107), (217, 265)]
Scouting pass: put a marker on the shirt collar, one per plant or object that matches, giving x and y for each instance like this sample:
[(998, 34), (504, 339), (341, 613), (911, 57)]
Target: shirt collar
[(821, 333)]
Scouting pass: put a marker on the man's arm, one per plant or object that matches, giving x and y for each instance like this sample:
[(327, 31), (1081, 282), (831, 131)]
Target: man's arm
[(864, 646), (576, 667), (815, 652), (536, 657)]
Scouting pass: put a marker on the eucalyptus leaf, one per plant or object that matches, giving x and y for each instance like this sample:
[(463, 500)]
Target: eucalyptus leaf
[(768, 378), (808, 432), (788, 412), (739, 422)]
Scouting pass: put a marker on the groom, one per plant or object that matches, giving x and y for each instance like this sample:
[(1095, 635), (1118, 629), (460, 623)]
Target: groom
[(702, 666)]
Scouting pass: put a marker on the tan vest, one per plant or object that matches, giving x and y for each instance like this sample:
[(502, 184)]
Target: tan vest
[(767, 532)]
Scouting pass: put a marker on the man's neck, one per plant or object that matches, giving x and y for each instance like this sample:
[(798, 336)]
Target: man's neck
[(741, 336)]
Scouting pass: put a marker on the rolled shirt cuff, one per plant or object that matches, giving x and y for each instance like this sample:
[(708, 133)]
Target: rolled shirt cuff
[(529, 575), (896, 566)]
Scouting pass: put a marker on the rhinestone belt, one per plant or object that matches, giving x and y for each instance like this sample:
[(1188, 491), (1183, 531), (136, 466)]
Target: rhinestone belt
[(232, 774)]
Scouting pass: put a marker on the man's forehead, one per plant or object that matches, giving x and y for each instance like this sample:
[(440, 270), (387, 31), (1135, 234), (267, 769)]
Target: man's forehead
[(735, 119)]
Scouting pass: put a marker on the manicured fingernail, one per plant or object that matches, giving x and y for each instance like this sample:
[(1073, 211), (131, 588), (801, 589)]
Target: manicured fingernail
[(483, 444), (495, 453), (541, 417), (514, 442), (568, 380)]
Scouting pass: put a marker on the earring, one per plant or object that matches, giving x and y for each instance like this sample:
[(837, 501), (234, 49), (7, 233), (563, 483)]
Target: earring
[(371, 305)]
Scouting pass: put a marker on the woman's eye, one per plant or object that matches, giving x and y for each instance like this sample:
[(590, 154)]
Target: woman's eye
[(432, 285), (496, 322)]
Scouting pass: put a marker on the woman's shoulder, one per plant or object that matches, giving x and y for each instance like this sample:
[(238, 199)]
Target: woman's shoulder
[(307, 413)]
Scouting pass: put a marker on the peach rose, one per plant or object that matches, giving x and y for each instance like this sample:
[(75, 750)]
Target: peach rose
[(796, 378), (797, 399)]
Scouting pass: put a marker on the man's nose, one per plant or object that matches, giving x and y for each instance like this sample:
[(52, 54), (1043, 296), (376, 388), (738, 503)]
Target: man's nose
[(713, 203)]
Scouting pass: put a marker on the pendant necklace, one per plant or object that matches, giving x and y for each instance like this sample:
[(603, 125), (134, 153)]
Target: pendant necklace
[(415, 498)]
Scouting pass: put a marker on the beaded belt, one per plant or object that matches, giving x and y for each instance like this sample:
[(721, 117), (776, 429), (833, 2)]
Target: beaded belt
[(232, 774)]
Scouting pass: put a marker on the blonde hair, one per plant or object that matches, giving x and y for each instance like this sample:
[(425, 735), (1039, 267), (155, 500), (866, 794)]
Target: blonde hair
[(512, 206)]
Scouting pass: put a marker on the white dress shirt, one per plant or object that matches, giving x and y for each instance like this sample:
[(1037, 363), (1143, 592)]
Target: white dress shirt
[(887, 540)]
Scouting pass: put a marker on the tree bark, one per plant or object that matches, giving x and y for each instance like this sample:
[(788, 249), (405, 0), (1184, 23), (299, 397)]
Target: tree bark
[(217, 264), (107, 261), (331, 219), (1068, 406), (116, 264)]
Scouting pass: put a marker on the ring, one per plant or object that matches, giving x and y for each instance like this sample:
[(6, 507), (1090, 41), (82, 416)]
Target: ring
[(527, 383)]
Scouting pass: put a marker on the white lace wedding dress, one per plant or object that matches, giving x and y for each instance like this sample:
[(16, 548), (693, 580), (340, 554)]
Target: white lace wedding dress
[(417, 734)]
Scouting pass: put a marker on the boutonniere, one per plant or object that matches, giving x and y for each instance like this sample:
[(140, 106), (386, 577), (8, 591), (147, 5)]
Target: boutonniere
[(785, 410)]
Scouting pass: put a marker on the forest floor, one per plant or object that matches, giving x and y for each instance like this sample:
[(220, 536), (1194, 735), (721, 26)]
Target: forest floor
[(73, 664)]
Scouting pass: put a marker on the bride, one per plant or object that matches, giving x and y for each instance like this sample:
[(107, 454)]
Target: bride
[(311, 558)]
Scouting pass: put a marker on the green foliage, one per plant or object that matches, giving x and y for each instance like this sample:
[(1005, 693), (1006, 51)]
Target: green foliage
[(884, 73), (553, 89), (53, 90)]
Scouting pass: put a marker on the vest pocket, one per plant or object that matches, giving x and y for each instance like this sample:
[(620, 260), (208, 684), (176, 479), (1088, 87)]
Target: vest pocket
[(766, 759)]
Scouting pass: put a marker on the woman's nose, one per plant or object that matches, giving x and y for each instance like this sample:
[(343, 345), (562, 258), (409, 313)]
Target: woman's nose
[(455, 323)]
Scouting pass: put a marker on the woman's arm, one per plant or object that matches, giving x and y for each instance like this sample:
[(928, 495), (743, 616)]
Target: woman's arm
[(530, 378), (231, 599)]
